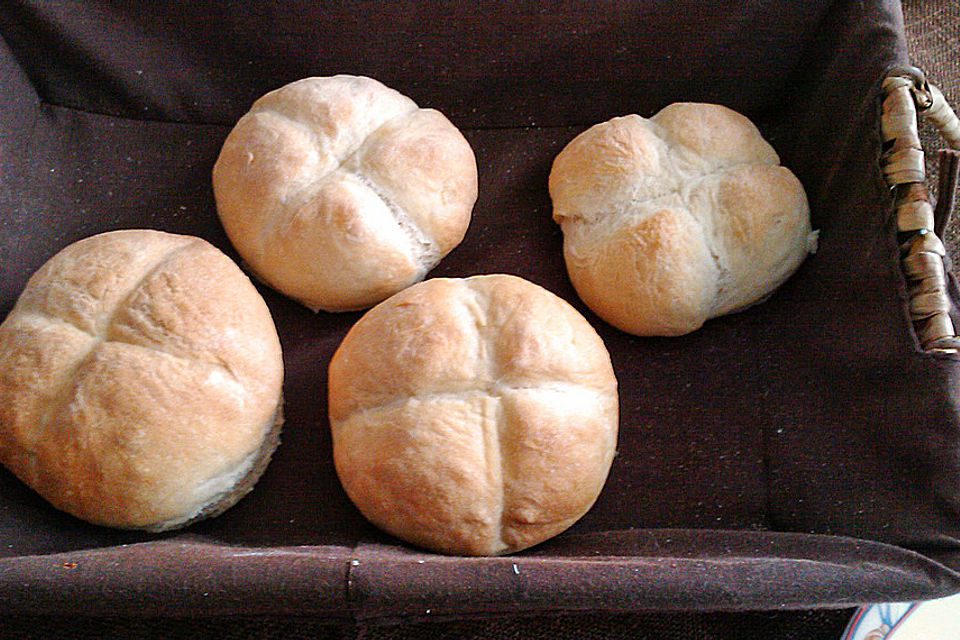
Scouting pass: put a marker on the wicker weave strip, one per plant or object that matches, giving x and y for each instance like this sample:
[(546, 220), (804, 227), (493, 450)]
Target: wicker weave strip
[(922, 253), (917, 265), (915, 215), (914, 212), (949, 161), (943, 117)]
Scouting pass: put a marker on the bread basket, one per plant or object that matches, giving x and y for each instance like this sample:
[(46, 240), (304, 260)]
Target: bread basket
[(799, 454)]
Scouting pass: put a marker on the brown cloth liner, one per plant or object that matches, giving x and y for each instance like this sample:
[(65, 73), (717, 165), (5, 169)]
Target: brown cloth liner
[(801, 453)]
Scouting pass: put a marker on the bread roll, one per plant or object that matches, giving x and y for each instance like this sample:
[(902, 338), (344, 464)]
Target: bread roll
[(670, 221), (140, 381), (475, 416), (340, 191)]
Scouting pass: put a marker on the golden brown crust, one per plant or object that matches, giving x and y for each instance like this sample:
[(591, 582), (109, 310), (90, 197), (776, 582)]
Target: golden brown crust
[(679, 280), (340, 191), (671, 221), (140, 376), (474, 416)]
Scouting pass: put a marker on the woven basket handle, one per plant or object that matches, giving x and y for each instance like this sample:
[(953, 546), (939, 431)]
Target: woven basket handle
[(920, 226)]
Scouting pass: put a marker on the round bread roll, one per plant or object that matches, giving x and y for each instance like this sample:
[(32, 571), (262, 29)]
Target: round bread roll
[(140, 381), (339, 191), (473, 416), (674, 220)]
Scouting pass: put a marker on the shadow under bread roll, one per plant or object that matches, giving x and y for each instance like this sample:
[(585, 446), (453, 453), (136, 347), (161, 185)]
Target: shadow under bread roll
[(140, 381)]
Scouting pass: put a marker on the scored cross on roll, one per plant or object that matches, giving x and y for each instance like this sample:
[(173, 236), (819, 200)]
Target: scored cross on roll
[(340, 191), (140, 381), (473, 416), (676, 219)]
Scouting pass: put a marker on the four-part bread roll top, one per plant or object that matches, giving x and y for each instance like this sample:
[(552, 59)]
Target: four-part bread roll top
[(140, 381), (672, 220), (474, 416), (339, 191)]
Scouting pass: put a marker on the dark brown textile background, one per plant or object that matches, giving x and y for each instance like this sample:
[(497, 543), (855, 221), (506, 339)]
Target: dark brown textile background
[(801, 454)]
